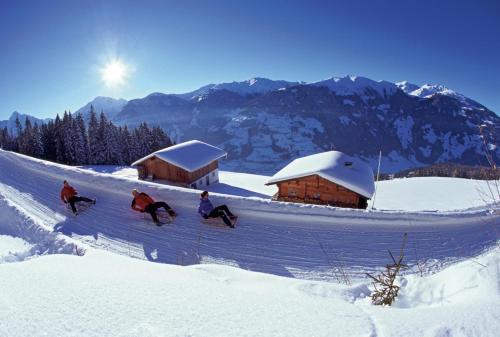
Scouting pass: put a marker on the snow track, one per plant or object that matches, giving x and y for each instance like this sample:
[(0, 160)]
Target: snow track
[(303, 241)]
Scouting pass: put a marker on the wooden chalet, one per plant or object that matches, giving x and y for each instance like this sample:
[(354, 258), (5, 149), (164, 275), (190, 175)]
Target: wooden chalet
[(191, 164), (328, 178)]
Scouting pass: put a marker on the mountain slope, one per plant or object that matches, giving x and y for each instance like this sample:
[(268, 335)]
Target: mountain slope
[(110, 106), (10, 124)]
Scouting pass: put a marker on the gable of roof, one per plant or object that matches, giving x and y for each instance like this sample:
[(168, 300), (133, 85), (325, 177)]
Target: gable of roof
[(190, 156), (334, 166)]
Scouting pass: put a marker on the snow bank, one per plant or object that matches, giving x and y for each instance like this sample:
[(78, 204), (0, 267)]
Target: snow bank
[(433, 194), (26, 228), (461, 300), (103, 294)]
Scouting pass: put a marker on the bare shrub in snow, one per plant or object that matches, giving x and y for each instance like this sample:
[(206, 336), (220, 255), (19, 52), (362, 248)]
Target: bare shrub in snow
[(385, 290), (337, 269), (80, 251)]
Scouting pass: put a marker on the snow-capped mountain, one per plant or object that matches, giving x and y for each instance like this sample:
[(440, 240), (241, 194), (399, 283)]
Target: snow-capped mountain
[(428, 90), (110, 106), (407, 87), (263, 130), (257, 85), (362, 86), (10, 123)]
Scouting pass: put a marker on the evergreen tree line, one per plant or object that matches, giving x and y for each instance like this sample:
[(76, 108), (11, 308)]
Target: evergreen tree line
[(69, 141), (448, 170)]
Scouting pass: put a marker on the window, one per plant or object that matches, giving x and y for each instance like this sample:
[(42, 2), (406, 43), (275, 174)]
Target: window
[(207, 179), (213, 174), (292, 193)]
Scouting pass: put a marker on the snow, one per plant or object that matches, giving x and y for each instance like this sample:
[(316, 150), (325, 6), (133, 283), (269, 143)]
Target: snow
[(348, 102), (404, 126), (256, 85), (110, 106), (428, 90), (243, 184), (210, 281), (350, 85), (10, 245), (332, 166), (406, 86), (190, 156), (433, 194), (102, 294)]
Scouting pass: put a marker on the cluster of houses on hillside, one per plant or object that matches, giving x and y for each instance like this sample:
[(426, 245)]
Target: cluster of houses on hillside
[(328, 178)]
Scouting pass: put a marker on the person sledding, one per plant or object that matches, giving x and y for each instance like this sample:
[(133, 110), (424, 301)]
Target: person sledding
[(207, 210), (144, 203), (70, 195)]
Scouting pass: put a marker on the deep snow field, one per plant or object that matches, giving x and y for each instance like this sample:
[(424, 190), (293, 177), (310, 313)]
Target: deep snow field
[(286, 270)]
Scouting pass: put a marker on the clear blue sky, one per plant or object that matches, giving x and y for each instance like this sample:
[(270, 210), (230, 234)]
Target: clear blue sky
[(51, 51)]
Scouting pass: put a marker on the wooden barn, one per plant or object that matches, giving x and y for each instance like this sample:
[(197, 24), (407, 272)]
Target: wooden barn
[(329, 178), (191, 164)]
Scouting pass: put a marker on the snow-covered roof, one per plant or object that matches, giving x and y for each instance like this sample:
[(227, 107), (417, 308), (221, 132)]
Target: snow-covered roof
[(190, 156), (334, 166)]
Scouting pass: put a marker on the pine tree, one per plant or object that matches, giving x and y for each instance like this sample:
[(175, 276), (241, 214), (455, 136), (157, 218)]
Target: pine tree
[(38, 149), (19, 131), (93, 137), (59, 140), (81, 143)]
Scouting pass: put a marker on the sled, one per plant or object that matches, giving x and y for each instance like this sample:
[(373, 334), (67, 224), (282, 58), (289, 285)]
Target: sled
[(163, 217), (80, 206), (218, 222)]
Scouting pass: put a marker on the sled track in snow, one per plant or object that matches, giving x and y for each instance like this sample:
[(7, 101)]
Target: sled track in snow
[(303, 241)]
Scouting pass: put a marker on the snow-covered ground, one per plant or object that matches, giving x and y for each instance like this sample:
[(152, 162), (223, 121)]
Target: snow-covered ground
[(451, 288), (10, 246), (434, 194), (103, 294)]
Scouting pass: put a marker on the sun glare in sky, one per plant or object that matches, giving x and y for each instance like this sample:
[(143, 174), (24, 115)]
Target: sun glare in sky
[(114, 73)]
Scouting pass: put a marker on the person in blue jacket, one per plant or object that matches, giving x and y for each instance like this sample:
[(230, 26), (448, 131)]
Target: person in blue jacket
[(207, 210)]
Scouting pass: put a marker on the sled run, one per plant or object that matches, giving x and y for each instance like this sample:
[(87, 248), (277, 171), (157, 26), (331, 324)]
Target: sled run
[(293, 240)]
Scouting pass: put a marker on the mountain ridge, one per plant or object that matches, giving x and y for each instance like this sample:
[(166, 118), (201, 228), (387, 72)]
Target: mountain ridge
[(263, 124)]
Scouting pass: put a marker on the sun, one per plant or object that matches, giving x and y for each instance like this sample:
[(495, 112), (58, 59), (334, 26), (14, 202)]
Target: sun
[(114, 73)]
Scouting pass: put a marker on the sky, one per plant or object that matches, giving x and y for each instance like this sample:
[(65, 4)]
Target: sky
[(54, 54)]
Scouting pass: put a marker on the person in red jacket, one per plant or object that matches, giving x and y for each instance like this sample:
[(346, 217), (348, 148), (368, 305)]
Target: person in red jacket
[(144, 203), (70, 195)]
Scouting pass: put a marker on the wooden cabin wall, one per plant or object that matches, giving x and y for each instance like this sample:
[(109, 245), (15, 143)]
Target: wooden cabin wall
[(195, 175), (163, 170), (316, 189)]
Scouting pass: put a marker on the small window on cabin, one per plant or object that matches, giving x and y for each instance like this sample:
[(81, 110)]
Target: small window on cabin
[(292, 193), (213, 174), (317, 196), (193, 185)]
